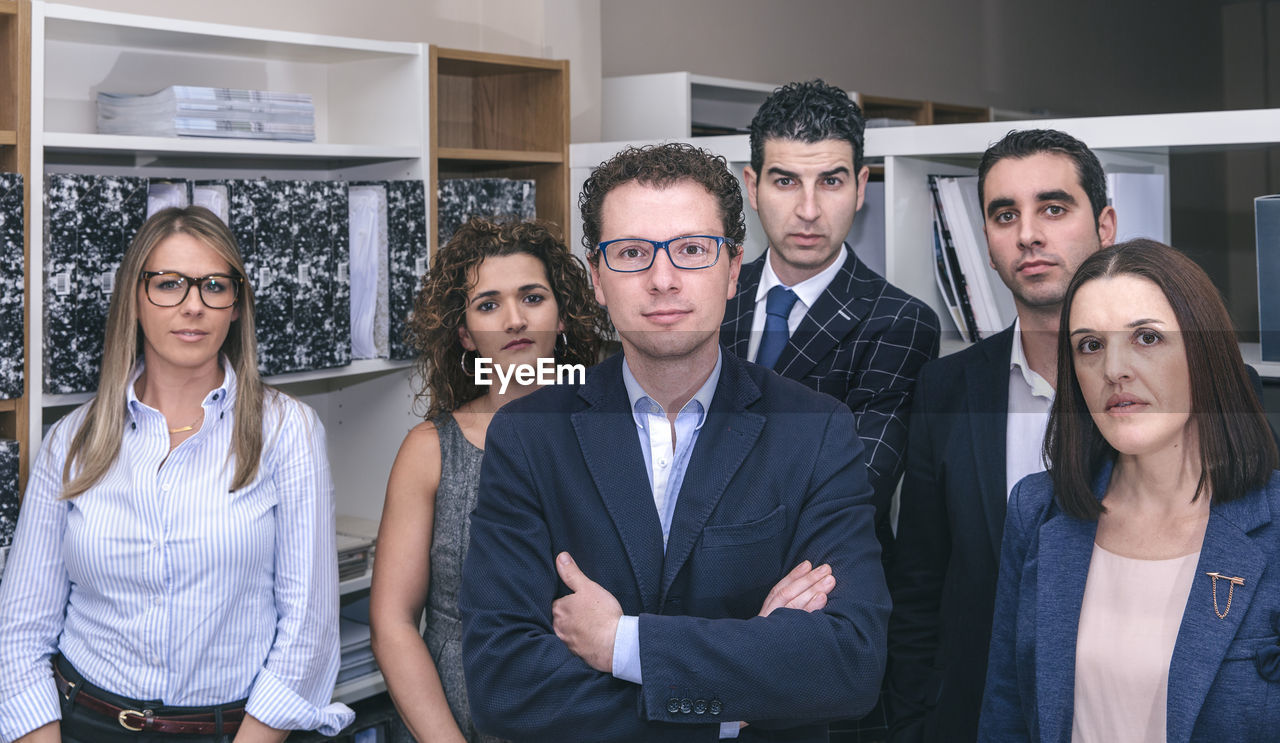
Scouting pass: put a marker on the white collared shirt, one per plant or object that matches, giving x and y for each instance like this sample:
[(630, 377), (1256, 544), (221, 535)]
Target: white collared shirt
[(807, 291), (1030, 399)]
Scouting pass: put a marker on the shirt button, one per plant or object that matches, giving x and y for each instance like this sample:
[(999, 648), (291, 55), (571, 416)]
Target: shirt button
[(156, 545), (157, 601), (155, 660), (165, 487), (662, 462)]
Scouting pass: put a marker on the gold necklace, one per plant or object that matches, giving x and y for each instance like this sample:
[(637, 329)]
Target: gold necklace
[(184, 429)]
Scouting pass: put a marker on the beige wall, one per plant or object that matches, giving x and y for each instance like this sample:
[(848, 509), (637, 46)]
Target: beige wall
[(557, 29)]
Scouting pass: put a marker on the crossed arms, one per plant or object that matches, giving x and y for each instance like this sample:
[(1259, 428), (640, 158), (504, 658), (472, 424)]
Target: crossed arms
[(788, 667)]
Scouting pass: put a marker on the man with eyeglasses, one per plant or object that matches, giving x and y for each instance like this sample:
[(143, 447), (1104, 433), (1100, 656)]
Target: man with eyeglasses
[(683, 547)]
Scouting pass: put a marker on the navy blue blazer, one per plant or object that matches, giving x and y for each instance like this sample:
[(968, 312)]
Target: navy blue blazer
[(776, 477), (1224, 677), (863, 342), (942, 572)]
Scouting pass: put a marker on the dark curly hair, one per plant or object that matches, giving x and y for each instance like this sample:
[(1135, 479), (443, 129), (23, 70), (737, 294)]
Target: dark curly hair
[(440, 306), (809, 112), (661, 165)]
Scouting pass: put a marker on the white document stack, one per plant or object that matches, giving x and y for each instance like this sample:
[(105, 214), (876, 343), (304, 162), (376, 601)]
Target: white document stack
[(198, 111)]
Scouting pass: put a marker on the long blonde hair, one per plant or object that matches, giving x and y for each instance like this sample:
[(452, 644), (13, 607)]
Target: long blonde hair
[(96, 443)]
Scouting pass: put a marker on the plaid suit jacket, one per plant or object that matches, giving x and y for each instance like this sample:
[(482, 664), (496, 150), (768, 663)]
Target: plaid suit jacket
[(863, 342)]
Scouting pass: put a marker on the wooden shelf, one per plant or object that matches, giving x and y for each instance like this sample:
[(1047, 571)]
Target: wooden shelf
[(15, 157), (493, 156), (500, 116)]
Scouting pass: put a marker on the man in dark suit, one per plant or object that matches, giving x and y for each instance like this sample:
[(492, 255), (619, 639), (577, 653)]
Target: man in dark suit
[(841, 328), (628, 531), (977, 426)]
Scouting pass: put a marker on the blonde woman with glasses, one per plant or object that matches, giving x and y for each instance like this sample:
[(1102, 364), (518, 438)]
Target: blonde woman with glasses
[(173, 573)]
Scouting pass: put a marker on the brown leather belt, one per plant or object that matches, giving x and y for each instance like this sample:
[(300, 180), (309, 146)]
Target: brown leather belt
[(201, 723)]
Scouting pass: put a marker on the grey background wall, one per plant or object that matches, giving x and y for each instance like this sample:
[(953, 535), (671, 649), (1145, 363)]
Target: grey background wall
[(1080, 57)]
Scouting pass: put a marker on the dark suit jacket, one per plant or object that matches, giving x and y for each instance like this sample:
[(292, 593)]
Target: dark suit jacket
[(775, 477), (1218, 690), (862, 342), (942, 572)]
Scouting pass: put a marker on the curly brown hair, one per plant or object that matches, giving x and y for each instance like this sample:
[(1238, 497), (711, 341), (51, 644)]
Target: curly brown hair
[(439, 308), (662, 165)]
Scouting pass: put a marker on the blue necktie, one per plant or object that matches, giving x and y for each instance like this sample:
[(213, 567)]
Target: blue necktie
[(776, 308)]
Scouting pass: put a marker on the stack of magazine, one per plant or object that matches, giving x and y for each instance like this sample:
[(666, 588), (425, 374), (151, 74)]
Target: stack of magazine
[(356, 540), (197, 111)]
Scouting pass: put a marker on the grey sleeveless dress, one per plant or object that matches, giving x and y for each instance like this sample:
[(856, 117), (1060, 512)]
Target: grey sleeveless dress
[(455, 498)]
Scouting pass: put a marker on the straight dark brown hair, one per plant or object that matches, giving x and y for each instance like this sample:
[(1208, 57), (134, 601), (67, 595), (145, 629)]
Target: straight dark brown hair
[(1237, 451)]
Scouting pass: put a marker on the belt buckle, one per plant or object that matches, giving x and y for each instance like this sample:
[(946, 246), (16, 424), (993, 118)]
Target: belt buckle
[(120, 718)]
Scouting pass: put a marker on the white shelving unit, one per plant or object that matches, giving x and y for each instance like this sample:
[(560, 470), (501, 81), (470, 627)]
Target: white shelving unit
[(372, 121), (668, 105), (1137, 144)]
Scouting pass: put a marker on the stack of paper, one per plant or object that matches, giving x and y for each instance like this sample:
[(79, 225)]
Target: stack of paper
[(356, 540), (978, 300), (353, 635), (197, 111)]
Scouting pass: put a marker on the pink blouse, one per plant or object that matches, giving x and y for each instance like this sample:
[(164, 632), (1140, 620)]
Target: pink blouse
[(1129, 621)]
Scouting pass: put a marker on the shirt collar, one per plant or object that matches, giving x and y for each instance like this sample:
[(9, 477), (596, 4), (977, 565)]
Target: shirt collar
[(217, 398), (642, 403), (1018, 361), (808, 290)]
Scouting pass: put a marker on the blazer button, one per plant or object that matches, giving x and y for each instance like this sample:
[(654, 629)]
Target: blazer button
[(700, 707), (673, 705), (714, 707), (686, 705)]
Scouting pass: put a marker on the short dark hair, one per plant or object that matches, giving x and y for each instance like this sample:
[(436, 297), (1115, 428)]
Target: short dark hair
[(1027, 142), (662, 165), (810, 112), (1237, 451), (439, 308)]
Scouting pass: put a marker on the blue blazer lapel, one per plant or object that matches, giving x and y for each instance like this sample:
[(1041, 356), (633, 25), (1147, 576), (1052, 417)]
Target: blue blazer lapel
[(988, 392), (836, 313), (735, 331), (1066, 548), (606, 433), (1203, 637), (726, 438)]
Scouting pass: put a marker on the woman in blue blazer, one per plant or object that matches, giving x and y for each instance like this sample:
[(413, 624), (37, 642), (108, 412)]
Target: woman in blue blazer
[(1139, 593)]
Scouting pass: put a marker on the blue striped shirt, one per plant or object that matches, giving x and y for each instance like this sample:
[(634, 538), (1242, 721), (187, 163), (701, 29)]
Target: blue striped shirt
[(160, 583)]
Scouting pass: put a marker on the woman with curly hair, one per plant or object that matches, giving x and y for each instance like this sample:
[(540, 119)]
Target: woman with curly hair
[(510, 294)]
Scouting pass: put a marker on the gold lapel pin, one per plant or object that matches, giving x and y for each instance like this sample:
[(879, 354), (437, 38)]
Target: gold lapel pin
[(1233, 581)]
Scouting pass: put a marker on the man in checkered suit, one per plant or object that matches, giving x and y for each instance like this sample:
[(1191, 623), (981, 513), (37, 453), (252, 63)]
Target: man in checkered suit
[(849, 332)]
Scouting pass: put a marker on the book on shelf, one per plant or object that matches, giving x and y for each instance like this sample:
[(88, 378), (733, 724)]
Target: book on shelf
[(195, 111), (957, 207), (8, 495), (89, 221), (12, 287)]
